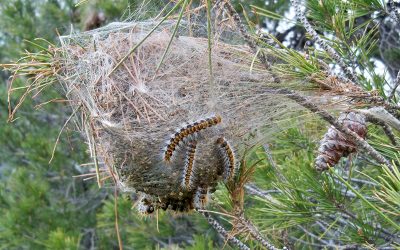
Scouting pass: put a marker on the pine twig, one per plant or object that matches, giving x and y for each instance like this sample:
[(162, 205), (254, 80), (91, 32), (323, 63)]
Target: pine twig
[(393, 12), (243, 31), (360, 143), (396, 85), (259, 192), (248, 38), (273, 163), (256, 234), (316, 237), (302, 18), (381, 114), (222, 231), (388, 130)]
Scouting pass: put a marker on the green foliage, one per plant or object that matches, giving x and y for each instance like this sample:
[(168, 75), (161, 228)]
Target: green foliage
[(23, 20), (36, 215), (42, 206), (156, 231)]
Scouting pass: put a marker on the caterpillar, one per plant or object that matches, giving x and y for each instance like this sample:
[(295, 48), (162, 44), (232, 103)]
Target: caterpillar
[(187, 131), (189, 164), (200, 198), (228, 157), (145, 207)]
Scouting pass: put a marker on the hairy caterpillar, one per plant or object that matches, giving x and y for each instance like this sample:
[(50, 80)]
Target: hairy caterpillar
[(201, 197), (189, 164), (187, 131), (145, 207), (228, 157)]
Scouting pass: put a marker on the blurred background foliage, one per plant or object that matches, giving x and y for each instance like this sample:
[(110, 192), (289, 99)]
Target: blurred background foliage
[(44, 206)]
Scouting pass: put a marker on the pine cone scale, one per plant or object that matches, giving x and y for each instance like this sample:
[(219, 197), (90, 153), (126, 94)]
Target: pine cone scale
[(335, 145)]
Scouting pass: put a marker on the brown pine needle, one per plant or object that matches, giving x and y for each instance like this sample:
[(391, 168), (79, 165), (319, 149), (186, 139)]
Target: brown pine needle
[(59, 134)]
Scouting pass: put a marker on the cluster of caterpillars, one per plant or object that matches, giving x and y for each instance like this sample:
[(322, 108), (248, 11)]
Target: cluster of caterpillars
[(188, 138), (147, 205)]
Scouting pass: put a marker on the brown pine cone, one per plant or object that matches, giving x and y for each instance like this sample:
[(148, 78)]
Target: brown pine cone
[(336, 145)]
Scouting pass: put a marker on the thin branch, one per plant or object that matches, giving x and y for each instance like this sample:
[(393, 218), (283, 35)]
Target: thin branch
[(248, 38), (388, 130), (273, 163), (256, 234), (394, 13), (224, 234), (243, 31), (316, 237), (360, 142), (259, 192), (302, 18), (396, 85), (381, 114), (116, 217), (59, 134), (359, 181)]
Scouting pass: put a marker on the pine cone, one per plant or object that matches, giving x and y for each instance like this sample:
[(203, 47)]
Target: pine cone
[(336, 145)]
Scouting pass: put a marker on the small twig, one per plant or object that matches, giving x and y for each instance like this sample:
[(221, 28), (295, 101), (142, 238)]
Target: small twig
[(59, 134), (302, 18), (388, 131), (243, 31), (381, 114), (224, 234), (116, 217), (320, 246), (273, 163), (315, 237), (396, 85), (360, 142), (359, 181), (249, 39), (382, 233), (393, 12), (261, 193), (256, 234)]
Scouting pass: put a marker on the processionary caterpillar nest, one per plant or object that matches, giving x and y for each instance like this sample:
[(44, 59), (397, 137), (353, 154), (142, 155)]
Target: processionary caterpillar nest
[(143, 119)]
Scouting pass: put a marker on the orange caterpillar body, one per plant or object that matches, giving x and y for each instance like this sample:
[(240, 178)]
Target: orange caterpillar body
[(229, 158), (189, 164), (187, 131)]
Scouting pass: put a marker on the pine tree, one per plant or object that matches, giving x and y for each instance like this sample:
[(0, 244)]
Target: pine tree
[(279, 197)]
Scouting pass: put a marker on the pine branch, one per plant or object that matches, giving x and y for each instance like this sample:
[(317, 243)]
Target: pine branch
[(361, 143), (379, 113), (222, 231), (321, 42), (243, 31), (393, 12), (248, 38), (259, 192), (327, 244), (273, 163), (256, 234), (388, 130), (381, 232), (396, 85)]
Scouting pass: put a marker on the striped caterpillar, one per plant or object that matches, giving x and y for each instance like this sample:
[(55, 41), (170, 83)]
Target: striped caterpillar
[(228, 157), (187, 131), (189, 164)]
